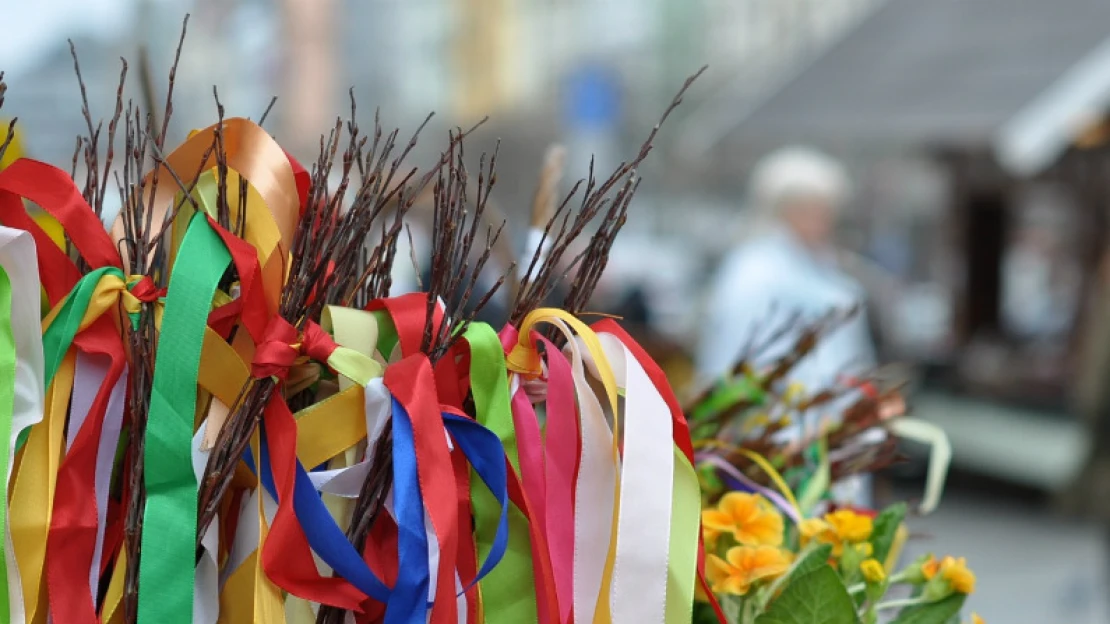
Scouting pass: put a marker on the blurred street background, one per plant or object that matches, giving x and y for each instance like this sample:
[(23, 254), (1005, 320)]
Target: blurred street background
[(975, 133)]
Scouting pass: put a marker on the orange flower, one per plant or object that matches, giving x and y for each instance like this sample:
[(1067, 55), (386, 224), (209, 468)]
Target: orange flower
[(929, 568), (748, 517), (744, 566)]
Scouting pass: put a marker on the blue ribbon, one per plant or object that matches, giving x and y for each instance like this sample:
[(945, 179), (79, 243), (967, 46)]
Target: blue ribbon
[(486, 454), (324, 536), (408, 603)]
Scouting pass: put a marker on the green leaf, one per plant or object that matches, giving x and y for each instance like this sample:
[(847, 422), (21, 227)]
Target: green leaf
[(817, 597), (816, 558), (885, 527), (728, 393), (940, 612), (703, 614)]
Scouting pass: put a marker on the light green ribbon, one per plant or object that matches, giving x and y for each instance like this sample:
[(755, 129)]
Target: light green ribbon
[(509, 591), (7, 407)]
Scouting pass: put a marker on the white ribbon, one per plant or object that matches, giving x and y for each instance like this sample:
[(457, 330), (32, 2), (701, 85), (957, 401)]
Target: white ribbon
[(206, 583), (639, 587), (347, 482), (90, 371), (594, 489), (18, 257), (105, 462), (940, 456), (248, 530)]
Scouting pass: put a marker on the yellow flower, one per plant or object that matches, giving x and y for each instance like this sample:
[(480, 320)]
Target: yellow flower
[(873, 571), (849, 525), (744, 566), (957, 574), (710, 535), (949, 576), (813, 528), (841, 527), (748, 517), (975, 619), (794, 394)]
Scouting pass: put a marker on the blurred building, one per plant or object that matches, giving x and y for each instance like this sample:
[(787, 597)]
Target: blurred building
[(998, 103)]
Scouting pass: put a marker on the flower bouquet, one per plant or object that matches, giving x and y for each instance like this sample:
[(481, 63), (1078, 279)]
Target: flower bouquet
[(781, 545)]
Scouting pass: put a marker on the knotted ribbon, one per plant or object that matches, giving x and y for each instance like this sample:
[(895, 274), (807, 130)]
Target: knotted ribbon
[(281, 346)]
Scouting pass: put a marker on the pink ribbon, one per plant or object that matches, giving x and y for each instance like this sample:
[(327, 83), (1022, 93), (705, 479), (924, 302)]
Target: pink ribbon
[(562, 444)]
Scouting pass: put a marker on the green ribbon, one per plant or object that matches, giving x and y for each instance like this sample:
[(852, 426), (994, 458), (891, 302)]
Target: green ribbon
[(57, 338), (387, 333), (170, 516), (509, 591), (7, 407)]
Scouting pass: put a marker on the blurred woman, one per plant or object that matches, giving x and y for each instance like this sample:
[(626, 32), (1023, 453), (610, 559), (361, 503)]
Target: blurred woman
[(788, 274)]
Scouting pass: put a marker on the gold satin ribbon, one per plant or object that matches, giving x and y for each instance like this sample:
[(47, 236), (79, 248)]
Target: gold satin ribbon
[(252, 152)]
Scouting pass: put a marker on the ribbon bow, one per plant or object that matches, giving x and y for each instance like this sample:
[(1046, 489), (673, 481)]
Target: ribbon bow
[(280, 347), (140, 289)]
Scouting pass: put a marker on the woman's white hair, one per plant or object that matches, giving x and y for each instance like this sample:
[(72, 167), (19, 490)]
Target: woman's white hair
[(798, 173)]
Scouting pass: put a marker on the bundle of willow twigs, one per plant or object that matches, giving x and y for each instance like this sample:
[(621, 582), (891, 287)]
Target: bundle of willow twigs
[(355, 202)]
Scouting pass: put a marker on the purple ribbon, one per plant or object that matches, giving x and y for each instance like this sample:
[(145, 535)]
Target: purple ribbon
[(746, 482)]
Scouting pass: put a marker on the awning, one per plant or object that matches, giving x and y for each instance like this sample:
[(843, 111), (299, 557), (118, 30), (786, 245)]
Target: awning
[(1021, 77)]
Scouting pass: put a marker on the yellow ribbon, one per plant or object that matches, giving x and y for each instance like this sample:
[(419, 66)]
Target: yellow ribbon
[(110, 291), (32, 498), (111, 613)]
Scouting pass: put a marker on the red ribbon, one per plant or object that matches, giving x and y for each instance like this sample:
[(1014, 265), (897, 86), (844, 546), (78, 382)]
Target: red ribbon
[(301, 179), (253, 307), (26, 179), (286, 555), (412, 383), (380, 553), (71, 542), (279, 348), (547, 608), (408, 313), (144, 290), (54, 191), (468, 552)]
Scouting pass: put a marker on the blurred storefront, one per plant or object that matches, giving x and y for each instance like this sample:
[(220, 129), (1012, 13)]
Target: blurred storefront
[(996, 267)]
